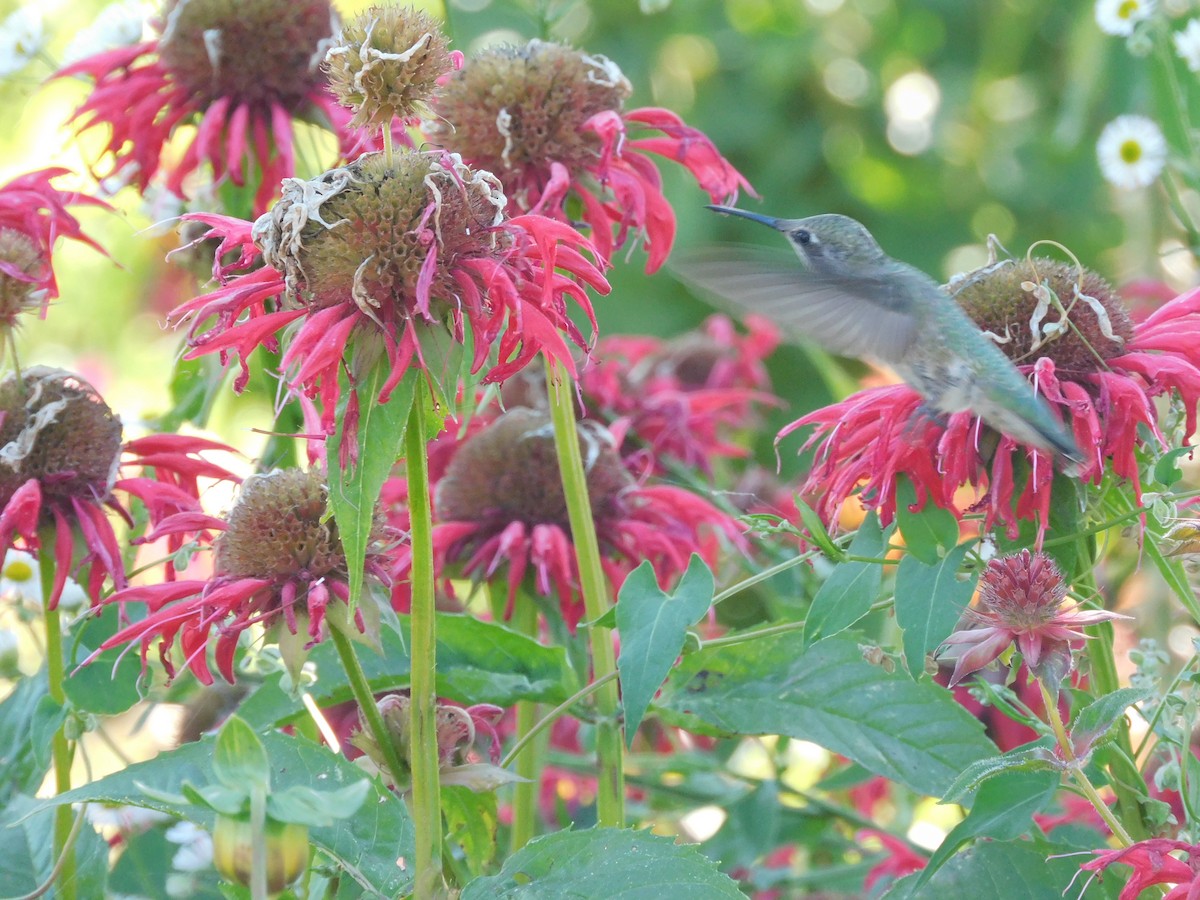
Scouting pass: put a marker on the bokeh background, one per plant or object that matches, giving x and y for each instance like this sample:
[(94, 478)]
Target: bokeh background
[(934, 122)]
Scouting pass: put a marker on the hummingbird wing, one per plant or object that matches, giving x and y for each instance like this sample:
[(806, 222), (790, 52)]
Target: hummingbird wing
[(866, 316)]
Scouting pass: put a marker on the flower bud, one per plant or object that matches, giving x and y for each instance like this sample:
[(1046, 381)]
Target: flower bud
[(233, 851)]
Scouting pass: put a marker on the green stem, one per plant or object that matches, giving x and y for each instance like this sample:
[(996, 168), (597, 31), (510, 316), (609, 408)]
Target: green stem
[(61, 750), (610, 800), (388, 151), (747, 583), (529, 765), (367, 710), (423, 746), (549, 717), (1127, 782), (742, 637), (1068, 752)]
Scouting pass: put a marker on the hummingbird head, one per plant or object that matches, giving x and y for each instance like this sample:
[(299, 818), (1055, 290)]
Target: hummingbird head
[(826, 243)]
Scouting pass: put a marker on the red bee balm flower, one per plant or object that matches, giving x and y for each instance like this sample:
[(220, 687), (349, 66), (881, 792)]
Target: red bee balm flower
[(548, 121), (501, 502), (1152, 864), (366, 258), (1070, 332), (278, 563), (683, 398), (33, 215), (60, 462), (1021, 599), (241, 72)]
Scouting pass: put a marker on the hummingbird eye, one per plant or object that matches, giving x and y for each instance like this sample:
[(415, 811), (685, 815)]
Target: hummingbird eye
[(802, 235)]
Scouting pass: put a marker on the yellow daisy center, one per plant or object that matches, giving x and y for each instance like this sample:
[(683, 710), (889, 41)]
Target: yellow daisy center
[(1131, 151)]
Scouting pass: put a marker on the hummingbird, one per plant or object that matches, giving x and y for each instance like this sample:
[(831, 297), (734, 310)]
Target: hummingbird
[(853, 299)]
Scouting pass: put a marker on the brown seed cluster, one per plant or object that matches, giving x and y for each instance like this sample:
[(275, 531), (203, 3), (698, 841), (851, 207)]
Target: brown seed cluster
[(509, 473), (276, 530), (386, 63), (58, 430), (18, 296), (1004, 300), (362, 233), (255, 51), (521, 108)]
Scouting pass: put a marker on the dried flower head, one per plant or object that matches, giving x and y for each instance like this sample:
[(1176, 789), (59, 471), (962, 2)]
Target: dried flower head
[(241, 71), (548, 120), (375, 259), (60, 463), (1021, 599), (500, 502), (278, 564), (386, 63), (1066, 329), (458, 729)]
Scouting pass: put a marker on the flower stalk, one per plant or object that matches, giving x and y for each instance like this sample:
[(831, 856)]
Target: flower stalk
[(610, 800), (61, 750), (528, 764), (1081, 779), (426, 789)]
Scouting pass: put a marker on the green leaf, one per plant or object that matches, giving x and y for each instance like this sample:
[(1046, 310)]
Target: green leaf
[(1029, 758), (1176, 578), (28, 719), (816, 530), (478, 662), (913, 733), (304, 805), (751, 823), (1005, 869), (929, 602), (366, 845), (1003, 810), (1094, 720), (239, 757), (614, 863), (928, 531), (1166, 470), (471, 822), (848, 592), (653, 625), (27, 851), (108, 685), (354, 491)]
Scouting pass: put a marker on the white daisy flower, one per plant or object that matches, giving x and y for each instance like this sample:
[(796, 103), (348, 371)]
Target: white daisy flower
[(1187, 44), (1118, 17), (22, 37), (1132, 151)]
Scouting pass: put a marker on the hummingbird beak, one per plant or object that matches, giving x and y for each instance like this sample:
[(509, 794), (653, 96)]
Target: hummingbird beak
[(769, 221)]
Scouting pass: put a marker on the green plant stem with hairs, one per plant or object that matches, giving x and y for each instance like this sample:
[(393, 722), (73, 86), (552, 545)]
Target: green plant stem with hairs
[(62, 752), (1127, 781), (1081, 779), (610, 799), (423, 746), (528, 764)]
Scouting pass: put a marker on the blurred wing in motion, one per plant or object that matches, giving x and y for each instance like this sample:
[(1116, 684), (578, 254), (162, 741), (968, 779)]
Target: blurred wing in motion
[(865, 317)]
